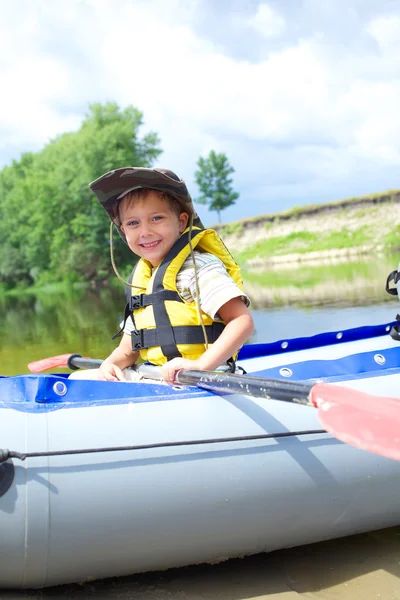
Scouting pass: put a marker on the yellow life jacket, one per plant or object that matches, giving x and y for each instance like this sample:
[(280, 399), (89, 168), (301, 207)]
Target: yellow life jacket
[(165, 325)]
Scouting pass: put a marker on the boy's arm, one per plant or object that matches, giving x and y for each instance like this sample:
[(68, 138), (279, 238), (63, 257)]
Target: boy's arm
[(239, 326), (123, 356)]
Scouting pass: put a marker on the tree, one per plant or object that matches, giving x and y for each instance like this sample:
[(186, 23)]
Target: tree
[(51, 225), (214, 182)]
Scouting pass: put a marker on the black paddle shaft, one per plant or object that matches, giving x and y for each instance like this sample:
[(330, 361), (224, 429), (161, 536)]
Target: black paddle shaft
[(248, 385), (76, 361)]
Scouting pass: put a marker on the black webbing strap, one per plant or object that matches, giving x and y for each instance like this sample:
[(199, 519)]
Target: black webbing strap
[(165, 332), (183, 334), (128, 288), (127, 314), (394, 276), (176, 248), (141, 300)]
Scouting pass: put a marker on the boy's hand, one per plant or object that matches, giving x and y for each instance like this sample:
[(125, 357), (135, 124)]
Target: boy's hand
[(171, 368), (110, 372)]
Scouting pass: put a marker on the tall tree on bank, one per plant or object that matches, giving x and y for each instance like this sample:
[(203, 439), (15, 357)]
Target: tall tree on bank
[(215, 183), (52, 227)]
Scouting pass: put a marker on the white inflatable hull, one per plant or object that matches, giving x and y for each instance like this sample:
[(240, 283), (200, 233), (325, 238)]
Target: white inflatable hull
[(80, 517)]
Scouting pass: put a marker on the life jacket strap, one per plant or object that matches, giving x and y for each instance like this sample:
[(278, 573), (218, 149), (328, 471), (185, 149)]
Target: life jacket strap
[(127, 314), (142, 300), (183, 334)]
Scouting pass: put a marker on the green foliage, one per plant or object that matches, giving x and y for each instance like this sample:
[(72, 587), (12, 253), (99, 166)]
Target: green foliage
[(215, 183), (51, 226), (232, 228)]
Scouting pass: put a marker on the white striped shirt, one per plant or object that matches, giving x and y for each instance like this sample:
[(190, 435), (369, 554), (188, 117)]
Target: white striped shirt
[(215, 286)]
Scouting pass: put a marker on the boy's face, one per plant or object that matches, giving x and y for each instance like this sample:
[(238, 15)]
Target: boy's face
[(151, 226)]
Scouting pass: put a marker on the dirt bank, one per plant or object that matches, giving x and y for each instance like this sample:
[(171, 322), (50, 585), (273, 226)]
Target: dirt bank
[(378, 217)]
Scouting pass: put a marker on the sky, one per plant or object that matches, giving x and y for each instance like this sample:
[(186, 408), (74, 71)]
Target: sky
[(303, 96)]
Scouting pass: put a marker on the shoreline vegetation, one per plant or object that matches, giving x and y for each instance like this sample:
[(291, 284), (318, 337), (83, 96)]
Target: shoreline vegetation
[(352, 226), (338, 252)]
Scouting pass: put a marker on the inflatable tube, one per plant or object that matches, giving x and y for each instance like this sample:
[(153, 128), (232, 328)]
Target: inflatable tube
[(175, 500)]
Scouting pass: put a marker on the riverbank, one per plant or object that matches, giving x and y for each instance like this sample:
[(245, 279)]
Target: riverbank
[(332, 232), (340, 252)]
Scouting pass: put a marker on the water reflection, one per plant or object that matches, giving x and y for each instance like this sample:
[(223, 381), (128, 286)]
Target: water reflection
[(284, 302), (303, 284), (35, 327)]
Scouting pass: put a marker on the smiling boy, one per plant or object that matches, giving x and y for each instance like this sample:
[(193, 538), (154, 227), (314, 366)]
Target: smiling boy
[(187, 309)]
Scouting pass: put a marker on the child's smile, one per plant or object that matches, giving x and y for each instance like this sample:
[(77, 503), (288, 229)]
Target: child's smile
[(151, 244), (151, 226)]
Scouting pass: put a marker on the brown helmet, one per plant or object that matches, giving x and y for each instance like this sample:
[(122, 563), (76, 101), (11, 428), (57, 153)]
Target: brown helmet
[(111, 187)]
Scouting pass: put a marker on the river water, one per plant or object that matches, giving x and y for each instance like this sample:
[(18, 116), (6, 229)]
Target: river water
[(276, 324), (363, 567), (36, 327)]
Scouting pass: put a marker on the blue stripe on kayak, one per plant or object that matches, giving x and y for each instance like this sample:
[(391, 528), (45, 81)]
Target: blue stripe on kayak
[(372, 374), (33, 393), (348, 367), (315, 341), (36, 393)]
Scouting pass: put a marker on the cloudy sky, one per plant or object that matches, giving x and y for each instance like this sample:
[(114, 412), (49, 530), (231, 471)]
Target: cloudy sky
[(302, 95)]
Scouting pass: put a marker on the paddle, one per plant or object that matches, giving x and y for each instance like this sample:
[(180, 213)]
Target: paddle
[(70, 361), (357, 418)]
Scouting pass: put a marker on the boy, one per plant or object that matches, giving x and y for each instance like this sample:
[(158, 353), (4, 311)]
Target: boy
[(190, 312)]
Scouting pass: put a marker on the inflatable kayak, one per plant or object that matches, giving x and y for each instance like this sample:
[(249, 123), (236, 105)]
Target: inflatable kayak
[(112, 479)]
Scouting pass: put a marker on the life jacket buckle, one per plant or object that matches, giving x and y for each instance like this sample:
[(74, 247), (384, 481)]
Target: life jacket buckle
[(137, 339), (136, 302)]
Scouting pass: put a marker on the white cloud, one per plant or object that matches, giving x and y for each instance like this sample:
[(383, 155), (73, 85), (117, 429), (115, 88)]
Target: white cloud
[(386, 31), (318, 114), (267, 21)]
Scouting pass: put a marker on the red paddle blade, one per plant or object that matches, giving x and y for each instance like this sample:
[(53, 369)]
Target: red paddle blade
[(359, 419), (49, 363)]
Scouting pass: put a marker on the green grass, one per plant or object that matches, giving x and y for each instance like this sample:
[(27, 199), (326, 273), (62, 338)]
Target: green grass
[(306, 241), (232, 228), (368, 211), (392, 239)]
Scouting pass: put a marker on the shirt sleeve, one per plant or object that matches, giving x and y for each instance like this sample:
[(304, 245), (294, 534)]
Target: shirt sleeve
[(128, 326), (216, 287)]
